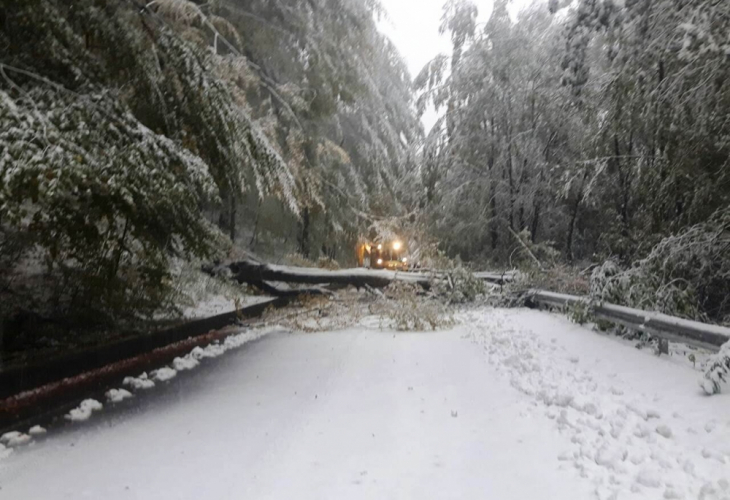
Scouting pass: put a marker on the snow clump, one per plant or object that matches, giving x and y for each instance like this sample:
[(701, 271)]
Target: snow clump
[(83, 412), (117, 395), (163, 374), (141, 382), (187, 362), (36, 430), (14, 438)]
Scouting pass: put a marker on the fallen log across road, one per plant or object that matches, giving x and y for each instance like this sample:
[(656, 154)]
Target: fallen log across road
[(249, 271)]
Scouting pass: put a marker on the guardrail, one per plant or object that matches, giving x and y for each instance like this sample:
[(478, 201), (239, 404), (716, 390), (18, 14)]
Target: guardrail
[(23, 377), (35, 389), (666, 327), (498, 278)]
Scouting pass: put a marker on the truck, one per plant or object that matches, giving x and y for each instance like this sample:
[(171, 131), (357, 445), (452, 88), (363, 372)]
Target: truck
[(390, 255)]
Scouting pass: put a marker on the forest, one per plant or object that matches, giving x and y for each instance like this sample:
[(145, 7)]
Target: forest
[(587, 138)]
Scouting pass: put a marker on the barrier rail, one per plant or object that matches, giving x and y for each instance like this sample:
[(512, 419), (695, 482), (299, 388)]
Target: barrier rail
[(667, 327), (28, 391)]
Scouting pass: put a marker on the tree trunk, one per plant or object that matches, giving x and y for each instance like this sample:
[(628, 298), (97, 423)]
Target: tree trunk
[(574, 218), (248, 271), (304, 234), (510, 175), (252, 243), (623, 186), (227, 219), (535, 220), (523, 180), (232, 219), (536, 207), (493, 194)]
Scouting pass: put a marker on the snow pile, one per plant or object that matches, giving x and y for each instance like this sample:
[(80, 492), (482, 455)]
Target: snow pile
[(163, 374), (36, 430), (84, 410), (14, 438), (187, 362), (117, 395), (8, 436), (625, 447), (211, 351), (141, 382)]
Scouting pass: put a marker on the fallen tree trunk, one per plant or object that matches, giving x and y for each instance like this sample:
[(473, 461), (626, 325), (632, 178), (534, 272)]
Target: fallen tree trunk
[(259, 274), (251, 272), (277, 291)]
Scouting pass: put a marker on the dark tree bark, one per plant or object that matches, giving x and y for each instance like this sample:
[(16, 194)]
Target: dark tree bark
[(259, 274), (252, 243), (304, 234), (227, 219), (493, 193), (574, 218)]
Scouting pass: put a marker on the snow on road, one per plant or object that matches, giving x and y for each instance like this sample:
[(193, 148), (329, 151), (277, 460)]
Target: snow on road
[(511, 404), (638, 426)]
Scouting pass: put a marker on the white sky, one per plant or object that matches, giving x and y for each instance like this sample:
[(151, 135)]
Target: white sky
[(413, 25)]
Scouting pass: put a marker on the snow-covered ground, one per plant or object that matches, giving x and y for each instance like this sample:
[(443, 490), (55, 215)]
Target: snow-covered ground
[(201, 295), (635, 425), (511, 404), (219, 304)]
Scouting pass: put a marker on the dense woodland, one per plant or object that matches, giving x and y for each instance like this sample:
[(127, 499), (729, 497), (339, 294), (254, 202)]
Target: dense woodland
[(598, 133), (134, 135)]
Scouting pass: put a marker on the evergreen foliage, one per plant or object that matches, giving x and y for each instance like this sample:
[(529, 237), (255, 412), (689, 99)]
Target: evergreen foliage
[(134, 132)]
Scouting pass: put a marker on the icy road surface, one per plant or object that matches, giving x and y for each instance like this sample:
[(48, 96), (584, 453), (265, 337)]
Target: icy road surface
[(509, 405)]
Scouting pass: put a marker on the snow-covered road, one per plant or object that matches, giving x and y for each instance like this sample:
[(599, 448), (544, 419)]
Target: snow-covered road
[(511, 404)]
